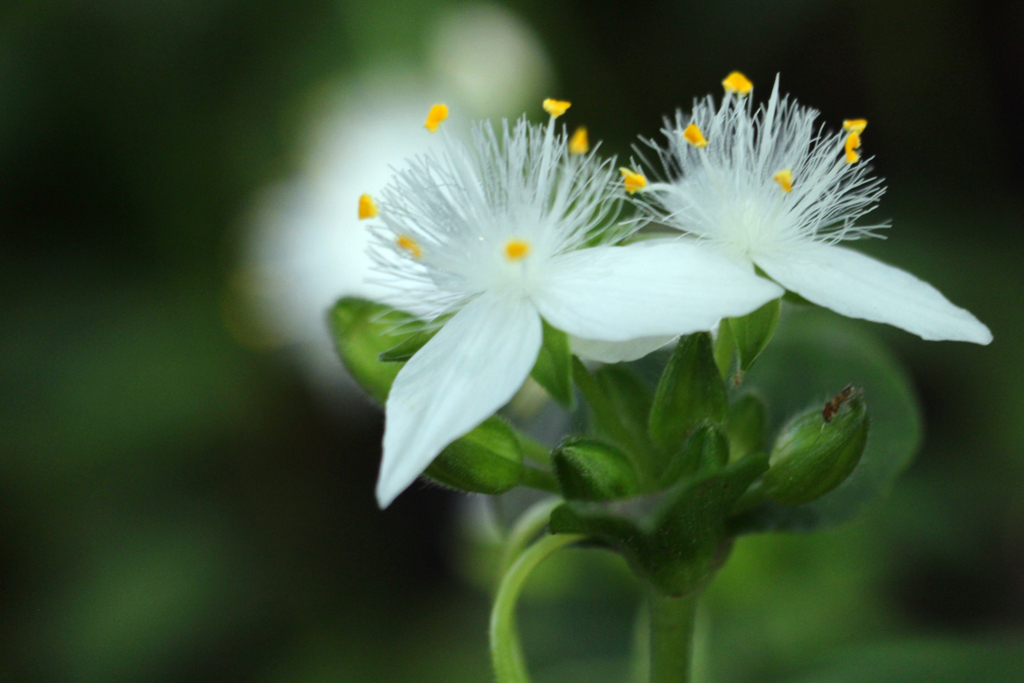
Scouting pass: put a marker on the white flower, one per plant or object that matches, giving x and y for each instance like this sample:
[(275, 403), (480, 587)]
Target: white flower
[(772, 188), (500, 233)]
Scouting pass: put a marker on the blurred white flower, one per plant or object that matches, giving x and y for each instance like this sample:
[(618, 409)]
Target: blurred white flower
[(499, 233), (307, 247), (770, 187)]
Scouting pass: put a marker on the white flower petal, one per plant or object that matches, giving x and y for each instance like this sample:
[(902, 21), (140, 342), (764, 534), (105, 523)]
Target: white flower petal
[(647, 289), (472, 367), (617, 352), (858, 286)]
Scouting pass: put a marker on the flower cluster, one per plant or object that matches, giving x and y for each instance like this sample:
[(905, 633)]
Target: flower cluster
[(518, 227)]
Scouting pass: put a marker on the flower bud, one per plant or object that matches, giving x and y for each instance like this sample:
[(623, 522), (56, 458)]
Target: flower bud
[(588, 469), (705, 450), (488, 459), (818, 450)]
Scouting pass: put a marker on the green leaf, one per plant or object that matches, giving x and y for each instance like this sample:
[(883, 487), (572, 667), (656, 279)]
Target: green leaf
[(744, 425), (705, 450), (362, 330), (725, 349), (813, 354), (619, 404), (408, 347), (675, 540), (553, 370), (589, 469), (689, 393), (486, 460), (753, 331)]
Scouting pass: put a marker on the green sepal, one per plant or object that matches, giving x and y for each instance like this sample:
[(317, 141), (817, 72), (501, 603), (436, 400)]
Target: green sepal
[(408, 347), (362, 330), (486, 460), (675, 540), (619, 404), (588, 469), (813, 455), (725, 348), (745, 425), (553, 369), (689, 393), (753, 331), (705, 450)]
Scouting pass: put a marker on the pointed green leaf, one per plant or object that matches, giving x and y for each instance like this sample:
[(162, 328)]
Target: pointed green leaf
[(725, 348), (705, 450), (486, 460), (409, 346), (619, 403), (362, 330), (689, 393), (753, 331), (744, 425), (553, 370)]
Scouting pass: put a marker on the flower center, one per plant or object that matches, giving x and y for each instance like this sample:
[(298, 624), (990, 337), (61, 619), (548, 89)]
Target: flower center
[(516, 249)]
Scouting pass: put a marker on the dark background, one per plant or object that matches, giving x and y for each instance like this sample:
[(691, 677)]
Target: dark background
[(175, 505)]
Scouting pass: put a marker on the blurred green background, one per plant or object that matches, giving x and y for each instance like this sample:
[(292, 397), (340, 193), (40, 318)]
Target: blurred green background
[(185, 496)]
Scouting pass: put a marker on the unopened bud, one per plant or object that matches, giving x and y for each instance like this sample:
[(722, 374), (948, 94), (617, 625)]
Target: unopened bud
[(488, 459), (588, 469), (818, 450)]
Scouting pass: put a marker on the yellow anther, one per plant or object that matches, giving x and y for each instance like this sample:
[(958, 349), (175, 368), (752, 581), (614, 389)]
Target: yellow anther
[(437, 114), (694, 136), (410, 245), (855, 125), (367, 207), (516, 249), (852, 144), (632, 180), (785, 179), (556, 107), (737, 82), (579, 143)]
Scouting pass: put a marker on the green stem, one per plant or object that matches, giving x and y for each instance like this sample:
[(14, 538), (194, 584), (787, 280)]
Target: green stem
[(506, 654), (534, 450), (672, 620), (540, 479), (529, 524)]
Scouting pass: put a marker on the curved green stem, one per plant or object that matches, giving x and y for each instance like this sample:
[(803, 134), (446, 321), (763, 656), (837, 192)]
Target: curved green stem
[(526, 528), (506, 654)]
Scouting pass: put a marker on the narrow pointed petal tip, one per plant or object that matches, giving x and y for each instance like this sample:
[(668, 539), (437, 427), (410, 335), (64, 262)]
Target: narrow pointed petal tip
[(859, 286), (663, 287), (472, 367)]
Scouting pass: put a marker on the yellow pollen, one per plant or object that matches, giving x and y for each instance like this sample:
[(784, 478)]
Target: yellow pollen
[(632, 180), (367, 207), (516, 249), (737, 82), (855, 125), (579, 143), (556, 107), (785, 180), (437, 114), (694, 136), (410, 245), (852, 144)]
